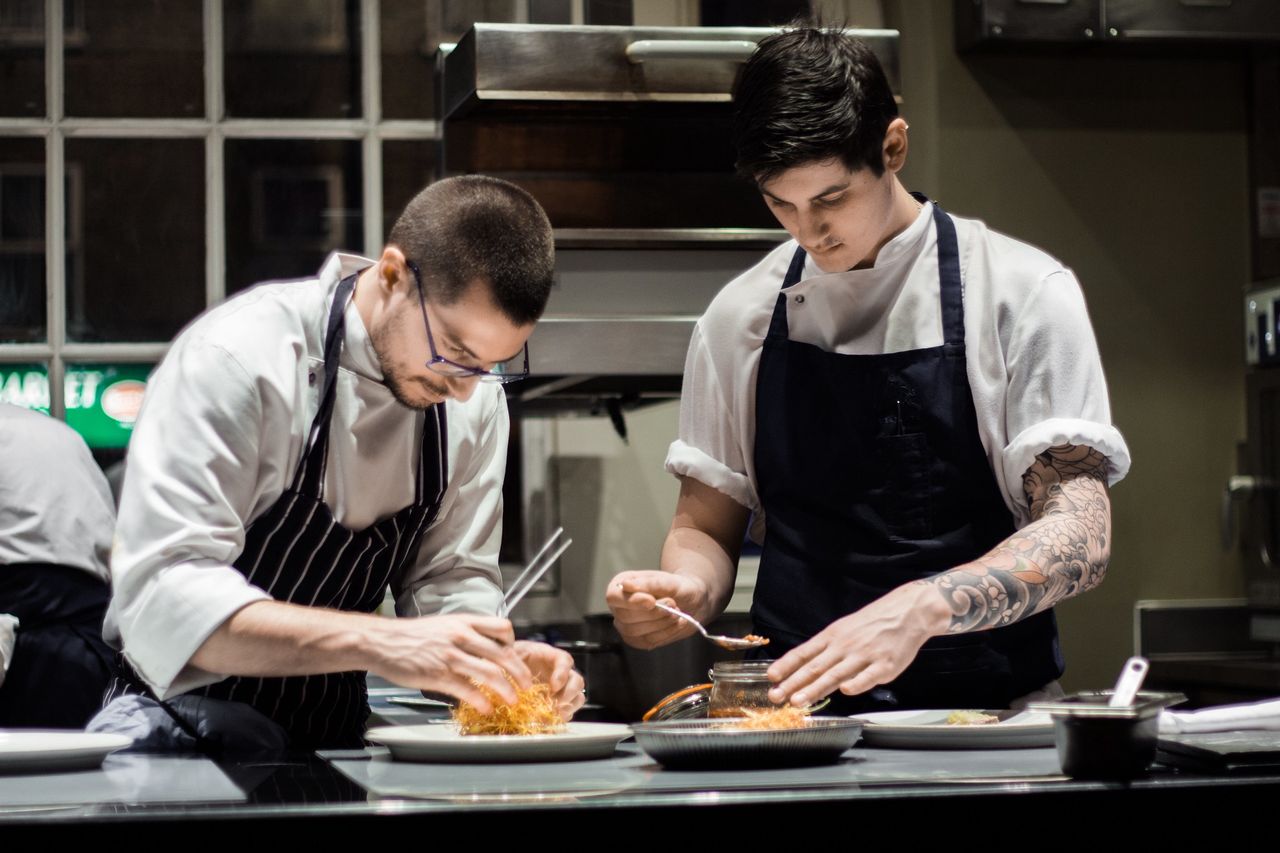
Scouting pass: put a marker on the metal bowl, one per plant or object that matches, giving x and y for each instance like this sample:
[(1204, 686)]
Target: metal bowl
[(1097, 741), (715, 745)]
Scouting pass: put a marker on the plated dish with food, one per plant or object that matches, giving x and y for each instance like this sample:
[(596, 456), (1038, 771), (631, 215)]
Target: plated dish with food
[(957, 728), (446, 744)]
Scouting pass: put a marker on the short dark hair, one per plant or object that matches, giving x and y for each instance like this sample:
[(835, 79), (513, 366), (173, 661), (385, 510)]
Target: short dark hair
[(810, 94), (474, 227)]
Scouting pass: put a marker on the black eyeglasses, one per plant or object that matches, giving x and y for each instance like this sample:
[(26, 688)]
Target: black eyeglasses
[(506, 371)]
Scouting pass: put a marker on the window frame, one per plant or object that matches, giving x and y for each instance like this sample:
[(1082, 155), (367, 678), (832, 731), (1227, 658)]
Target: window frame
[(214, 129)]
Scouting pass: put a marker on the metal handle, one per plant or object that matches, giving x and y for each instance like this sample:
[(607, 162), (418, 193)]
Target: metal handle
[(1240, 484), (646, 50), (1130, 681)]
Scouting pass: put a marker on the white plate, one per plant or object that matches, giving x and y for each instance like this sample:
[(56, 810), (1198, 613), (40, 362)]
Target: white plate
[(929, 730), (578, 742), (35, 751)]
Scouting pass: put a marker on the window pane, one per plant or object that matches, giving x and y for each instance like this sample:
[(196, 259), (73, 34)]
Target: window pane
[(118, 52), (292, 58), (135, 237), (408, 61), (290, 203), (22, 245), (407, 167), (22, 57)]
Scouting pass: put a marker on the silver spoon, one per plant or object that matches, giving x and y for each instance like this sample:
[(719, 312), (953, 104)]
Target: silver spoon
[(723, 642)]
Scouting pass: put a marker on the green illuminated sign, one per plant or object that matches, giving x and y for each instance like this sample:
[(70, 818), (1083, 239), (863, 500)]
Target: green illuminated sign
[(102, 400)]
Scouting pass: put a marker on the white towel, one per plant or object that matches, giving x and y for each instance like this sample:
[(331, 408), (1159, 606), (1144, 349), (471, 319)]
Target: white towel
[(8, 638), (1259, 716)]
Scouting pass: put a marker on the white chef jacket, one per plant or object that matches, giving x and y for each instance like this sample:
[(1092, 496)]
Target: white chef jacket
[(1032, 360), (222, 430), (55, 503)]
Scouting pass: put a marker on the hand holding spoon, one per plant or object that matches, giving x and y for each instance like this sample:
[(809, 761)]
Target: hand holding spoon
[(750, 641)]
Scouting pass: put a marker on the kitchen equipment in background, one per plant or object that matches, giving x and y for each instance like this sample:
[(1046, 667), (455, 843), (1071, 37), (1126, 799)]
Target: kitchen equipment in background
[(1252, 493), (1261, 334)]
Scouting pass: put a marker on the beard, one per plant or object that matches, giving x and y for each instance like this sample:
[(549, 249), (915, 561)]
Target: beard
[(399, 381)]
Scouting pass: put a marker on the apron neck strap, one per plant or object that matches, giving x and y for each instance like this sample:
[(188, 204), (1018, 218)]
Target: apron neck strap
[(951, 287), (310, 473), (778, 324)]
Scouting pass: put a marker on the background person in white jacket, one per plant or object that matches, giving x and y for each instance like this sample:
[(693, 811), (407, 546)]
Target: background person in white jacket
[(56, 520)]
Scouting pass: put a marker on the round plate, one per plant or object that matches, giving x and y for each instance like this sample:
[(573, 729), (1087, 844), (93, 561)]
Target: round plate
[(709, 745), (36, 751), (929, 730), (578, 742)]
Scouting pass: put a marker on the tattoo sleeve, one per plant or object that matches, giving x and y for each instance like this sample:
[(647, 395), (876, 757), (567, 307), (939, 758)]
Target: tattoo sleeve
[(1063, 551)]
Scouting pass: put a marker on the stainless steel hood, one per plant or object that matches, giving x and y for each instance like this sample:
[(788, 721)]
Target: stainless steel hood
[(503, 65), (622, 134)]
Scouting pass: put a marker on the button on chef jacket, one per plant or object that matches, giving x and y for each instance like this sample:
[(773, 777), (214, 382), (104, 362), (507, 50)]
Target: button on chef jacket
[(223, 425)]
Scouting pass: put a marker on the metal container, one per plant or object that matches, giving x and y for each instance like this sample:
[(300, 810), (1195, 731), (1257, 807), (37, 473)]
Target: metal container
[(715, 745), (1097, 741)]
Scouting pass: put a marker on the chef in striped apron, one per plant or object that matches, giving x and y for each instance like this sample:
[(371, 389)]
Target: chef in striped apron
[(307, 445)]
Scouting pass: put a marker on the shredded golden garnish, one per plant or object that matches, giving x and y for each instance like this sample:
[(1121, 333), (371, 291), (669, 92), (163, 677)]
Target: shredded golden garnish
[(971, 718), (766, 719), (756, 638), (534, 713)]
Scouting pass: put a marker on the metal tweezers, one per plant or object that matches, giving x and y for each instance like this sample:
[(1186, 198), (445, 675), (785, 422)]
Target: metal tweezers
[(534, 571)]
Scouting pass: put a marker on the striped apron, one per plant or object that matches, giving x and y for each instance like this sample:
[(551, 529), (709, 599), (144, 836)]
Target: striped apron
[(297, 552)]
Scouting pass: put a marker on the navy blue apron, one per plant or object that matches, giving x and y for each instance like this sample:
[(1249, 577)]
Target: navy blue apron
[(297, 552), (60, 664), (872, 474)]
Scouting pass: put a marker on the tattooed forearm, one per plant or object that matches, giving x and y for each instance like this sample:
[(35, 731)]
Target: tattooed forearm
[(1062, 552)]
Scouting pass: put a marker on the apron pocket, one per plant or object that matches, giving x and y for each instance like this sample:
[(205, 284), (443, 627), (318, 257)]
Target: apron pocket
[(902, 502)]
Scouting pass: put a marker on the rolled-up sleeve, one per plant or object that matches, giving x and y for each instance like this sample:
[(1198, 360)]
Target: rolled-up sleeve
[(457, 566), (186, 495), (710, 447), (1057, 390)]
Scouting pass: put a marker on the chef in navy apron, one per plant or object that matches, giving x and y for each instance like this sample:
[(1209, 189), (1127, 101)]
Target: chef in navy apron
[(866, 461), (880, 485)]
